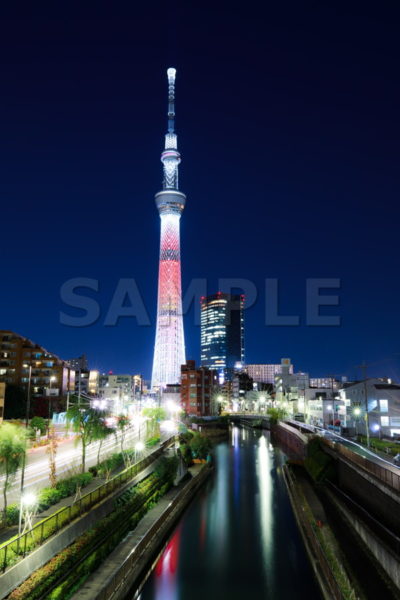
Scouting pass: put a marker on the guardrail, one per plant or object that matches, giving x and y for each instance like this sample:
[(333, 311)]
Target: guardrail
[(388, 475), (18, 547)]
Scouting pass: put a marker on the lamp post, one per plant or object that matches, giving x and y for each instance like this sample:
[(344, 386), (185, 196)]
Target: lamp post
[(377, 428), (52, 378), (139, 447), (28, 507)]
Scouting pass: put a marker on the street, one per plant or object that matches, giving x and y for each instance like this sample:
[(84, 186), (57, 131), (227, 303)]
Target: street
[(68, 460)]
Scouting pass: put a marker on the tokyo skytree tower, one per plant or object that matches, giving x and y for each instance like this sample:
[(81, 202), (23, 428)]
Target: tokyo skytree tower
[(169, 350)]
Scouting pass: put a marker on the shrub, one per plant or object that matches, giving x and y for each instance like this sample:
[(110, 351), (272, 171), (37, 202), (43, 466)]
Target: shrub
[(186, 437), (153, 441), (116, 523), (48, 497), (186, 454), (166, 468), (318, 464), (67, 487), (12, 516), (200, 446)]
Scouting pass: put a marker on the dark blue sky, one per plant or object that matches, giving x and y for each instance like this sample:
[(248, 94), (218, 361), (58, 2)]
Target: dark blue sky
[(288, 123)]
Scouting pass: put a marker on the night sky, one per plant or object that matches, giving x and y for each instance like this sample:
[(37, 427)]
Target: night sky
[(288, 125)]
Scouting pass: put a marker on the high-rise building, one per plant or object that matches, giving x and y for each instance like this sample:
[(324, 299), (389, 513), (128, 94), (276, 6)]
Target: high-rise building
[(198, 386), (169, 350), (222, 332), (23, 362)]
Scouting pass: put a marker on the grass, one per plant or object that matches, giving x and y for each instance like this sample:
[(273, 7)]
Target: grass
[(329, 547), (382, 445)]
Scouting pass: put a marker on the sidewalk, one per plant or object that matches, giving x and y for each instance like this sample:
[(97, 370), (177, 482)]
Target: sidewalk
[(99, 579)]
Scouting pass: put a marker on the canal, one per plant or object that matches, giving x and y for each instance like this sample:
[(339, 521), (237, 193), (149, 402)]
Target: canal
[(238, 539)]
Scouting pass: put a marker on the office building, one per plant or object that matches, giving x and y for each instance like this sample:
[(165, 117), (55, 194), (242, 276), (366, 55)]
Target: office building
[(222, 333)]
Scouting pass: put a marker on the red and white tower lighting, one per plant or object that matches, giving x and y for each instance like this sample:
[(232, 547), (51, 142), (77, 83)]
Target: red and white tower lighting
[(169, 350)]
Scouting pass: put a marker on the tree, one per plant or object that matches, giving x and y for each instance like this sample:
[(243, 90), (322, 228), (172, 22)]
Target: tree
[(52, 451), (122, 425), (154, 415), (102, 433), (38, 423), (84, 422), (12, 452), (200, 446), (276, 414)]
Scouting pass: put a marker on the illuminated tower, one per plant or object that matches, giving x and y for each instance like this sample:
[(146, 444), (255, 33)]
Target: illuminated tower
[(169, 350)]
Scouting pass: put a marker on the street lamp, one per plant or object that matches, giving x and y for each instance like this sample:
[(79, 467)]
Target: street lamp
[(139, 447), (27, 507), (356, 413), (377, 428), (52, 378)]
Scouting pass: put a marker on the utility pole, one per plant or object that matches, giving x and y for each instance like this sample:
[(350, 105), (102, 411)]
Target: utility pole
[(363, 368), (28, 405)]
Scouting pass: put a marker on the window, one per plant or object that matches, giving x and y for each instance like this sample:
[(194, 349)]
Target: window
[(395, 421), (385, 421), (383, 405)]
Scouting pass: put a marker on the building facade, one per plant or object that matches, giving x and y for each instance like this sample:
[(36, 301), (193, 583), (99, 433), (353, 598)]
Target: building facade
[(383, 401), (222, 333), (198, 388), (2, 399), (265, 373), (79, 364), (119, 392), (23, 362), (169, 349)]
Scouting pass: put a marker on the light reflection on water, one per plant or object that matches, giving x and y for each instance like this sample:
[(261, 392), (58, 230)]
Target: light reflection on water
[(238, 538)]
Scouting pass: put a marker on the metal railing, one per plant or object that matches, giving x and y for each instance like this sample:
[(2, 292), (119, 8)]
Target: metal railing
[(387, 474), (19, 546), (114, 584)]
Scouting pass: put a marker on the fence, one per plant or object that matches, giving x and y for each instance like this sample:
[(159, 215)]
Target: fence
[(112, 589), (18, 547), (387, 474)]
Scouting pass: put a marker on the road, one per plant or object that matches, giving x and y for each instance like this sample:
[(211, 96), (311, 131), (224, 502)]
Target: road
[(68, 460)]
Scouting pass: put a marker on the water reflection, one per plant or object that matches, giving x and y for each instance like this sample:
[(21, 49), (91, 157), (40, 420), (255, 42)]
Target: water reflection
[(266, 516), (238, 538)]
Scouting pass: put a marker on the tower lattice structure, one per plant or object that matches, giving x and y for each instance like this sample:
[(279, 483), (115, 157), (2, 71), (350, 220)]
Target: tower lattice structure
[(169, 349)]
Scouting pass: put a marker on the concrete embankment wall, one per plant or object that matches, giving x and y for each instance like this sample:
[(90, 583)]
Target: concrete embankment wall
[(317, 557), (292, 440), (131, 569), (385, 556), (383, 503)]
